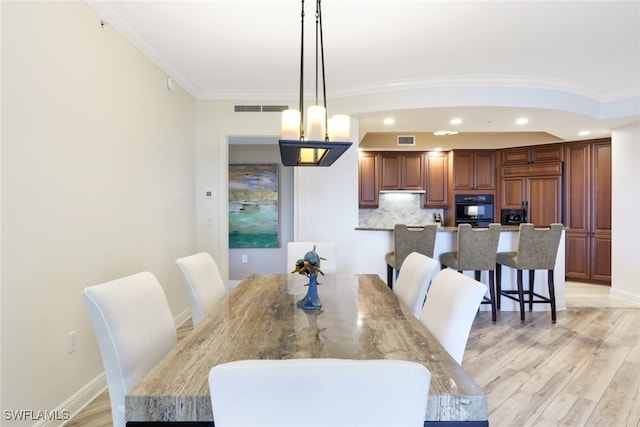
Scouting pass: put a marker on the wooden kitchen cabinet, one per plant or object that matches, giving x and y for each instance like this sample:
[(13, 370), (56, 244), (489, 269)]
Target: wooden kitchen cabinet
[(368, 179), (543, 195), (588, 211), (538, 185), (532, 154), (474, 170), (401, 171), (436, 180)]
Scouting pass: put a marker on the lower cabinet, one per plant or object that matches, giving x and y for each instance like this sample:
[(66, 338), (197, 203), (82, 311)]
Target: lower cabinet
[(588, 256)]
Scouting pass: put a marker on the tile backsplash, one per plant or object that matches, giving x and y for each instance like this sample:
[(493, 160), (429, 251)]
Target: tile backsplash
[(397, 208)]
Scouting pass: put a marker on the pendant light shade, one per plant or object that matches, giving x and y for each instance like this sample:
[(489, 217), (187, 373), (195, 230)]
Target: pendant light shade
[(323, 140)]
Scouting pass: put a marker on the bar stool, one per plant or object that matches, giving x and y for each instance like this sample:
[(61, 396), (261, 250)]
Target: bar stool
[(477, 249), (537, 249), (407, 240)]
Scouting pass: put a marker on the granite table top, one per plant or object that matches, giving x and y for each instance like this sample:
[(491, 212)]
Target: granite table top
[(360, 318)]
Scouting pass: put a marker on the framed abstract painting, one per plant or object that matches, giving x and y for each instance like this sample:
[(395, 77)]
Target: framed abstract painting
[(253, 206)]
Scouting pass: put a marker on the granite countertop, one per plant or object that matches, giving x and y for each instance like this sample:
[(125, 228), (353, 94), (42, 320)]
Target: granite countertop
[(509, 228)]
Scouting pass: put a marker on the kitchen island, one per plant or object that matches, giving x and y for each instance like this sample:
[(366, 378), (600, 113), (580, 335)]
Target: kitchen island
[(446, 241)]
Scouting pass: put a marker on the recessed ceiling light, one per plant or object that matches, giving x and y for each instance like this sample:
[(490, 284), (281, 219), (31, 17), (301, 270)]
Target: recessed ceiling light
[(455, 121), (584, 133), (522, 121), (445, 132), (389, 121)]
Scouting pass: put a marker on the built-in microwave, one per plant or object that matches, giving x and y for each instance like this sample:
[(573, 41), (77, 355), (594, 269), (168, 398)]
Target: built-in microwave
[(474, 209)]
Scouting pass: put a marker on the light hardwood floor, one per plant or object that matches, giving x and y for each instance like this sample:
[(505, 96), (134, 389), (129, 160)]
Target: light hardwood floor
[(584, 370)]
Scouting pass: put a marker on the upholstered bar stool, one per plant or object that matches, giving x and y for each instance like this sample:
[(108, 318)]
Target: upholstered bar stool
[(407, 240), (476, 252), (537, 249)]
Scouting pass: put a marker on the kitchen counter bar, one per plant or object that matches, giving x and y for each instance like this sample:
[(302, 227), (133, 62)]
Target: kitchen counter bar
[(446, 241)]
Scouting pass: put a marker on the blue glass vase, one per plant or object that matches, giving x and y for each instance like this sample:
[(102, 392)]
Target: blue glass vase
[(311, 301)]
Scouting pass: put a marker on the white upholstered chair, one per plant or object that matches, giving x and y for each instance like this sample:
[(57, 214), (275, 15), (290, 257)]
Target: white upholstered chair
[(327, 250), (413, 281), (204, 285), (452, 303), (319, 392), (134, 328)]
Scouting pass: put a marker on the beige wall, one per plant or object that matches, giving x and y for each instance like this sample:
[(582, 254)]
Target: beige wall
[(625, 233), (98, 178)]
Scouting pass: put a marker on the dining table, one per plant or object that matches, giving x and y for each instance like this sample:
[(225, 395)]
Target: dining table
[(360, 318)]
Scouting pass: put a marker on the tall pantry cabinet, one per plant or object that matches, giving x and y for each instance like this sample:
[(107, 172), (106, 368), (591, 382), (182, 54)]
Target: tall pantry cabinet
[(588, 210)]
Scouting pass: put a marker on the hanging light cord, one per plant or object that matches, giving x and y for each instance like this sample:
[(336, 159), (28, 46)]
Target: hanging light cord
[(300, 108), (324, 88), (319, 66)]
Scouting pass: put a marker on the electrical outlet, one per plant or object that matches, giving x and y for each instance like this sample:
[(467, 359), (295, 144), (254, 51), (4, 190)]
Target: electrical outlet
[(71, 342), (245, 259)]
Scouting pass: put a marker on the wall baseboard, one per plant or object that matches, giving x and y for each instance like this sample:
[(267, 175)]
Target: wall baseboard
[(87, 394), (182, 317), (635, 299), (76, 403)]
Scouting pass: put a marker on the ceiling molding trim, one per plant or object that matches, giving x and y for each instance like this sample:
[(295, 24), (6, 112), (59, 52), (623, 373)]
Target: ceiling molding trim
[(107, 11)]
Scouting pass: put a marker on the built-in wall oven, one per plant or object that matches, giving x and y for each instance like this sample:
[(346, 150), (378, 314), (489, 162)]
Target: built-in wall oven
[(474, 209)]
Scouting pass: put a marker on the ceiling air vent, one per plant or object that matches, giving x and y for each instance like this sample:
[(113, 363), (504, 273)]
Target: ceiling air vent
[(247, 108), (259, 108), (406, 140), (274, 108)]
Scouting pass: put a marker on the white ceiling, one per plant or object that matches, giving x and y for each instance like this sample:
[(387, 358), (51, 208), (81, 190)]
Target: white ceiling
[(566, 65)]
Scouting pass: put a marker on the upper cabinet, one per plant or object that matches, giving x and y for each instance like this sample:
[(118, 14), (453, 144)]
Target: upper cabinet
[(436, 180), (368, 179), (474, 170), (401, 171), (532, 154), (404, 171)]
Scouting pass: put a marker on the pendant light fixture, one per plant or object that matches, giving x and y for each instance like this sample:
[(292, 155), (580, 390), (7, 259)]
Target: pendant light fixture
[(324, 139)]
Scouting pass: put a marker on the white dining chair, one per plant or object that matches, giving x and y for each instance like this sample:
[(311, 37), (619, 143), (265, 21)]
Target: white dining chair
[(134, 328), (452, 303), (319, 392), (203, 283), (413, 281), (326, 250)]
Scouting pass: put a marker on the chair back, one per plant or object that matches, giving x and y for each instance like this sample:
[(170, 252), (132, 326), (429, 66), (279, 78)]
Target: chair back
[(319, 392), (134, 328), (203, 283), (452, 303), (326, 250), (413, 281), (537, 248), (477, 247), (408, 240)]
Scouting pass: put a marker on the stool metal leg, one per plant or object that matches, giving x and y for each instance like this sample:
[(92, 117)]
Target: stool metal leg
[(492, 293), (532, 278), (552, 295), (498, 285), (520, 295)]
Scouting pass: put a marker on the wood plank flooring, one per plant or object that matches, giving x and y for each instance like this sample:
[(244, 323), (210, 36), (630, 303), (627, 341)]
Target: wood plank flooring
[(584, 370)]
